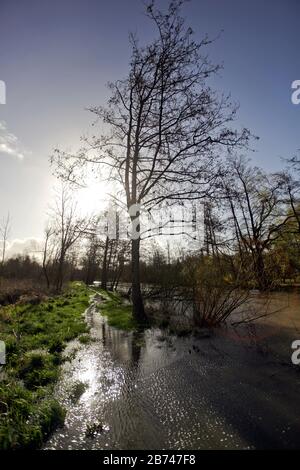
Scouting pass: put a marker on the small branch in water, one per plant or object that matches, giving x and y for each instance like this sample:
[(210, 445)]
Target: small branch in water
[(248, 320)]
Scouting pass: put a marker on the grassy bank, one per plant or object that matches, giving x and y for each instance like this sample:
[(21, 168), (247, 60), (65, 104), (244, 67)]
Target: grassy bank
[(35, 336), (117, 312)]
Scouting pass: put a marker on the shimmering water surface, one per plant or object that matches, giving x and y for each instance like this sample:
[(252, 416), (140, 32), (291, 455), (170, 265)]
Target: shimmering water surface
[(234, 388)]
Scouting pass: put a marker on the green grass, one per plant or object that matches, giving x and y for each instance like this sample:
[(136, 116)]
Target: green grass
[(35, 336), (26, 418), (85, 339), (77, 390), (118, 314)]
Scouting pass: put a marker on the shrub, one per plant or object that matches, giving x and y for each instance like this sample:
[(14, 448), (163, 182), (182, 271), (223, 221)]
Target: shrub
[(214, 296)]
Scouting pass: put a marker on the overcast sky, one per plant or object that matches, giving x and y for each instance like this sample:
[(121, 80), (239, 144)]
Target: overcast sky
[(57, 56)]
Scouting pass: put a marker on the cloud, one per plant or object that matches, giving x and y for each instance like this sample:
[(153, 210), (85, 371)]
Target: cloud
[(9, 143), (26, 246)]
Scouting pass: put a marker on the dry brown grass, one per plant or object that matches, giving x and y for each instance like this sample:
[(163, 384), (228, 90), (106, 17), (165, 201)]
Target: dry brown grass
[(21, 291)]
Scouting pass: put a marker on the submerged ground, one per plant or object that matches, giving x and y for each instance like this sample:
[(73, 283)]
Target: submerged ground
[(231, 389)]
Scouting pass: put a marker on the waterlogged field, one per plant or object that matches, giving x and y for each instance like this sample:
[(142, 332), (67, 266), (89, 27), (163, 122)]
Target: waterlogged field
[(97, 381), (231, 388), (35, 335)]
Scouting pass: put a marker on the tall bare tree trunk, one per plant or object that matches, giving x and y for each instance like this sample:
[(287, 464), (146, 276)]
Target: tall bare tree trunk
[(4, 231), (260, 272), (104, 266), (48, 233), (60, 274), (137, 299)]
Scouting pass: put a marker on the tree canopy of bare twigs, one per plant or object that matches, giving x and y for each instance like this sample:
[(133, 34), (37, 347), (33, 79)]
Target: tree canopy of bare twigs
[(165, 128)]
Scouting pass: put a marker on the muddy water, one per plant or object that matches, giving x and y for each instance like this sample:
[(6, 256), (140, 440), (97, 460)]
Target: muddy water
[(235, 388)]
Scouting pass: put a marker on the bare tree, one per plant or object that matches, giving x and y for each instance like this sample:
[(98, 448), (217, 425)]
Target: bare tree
[(291, 195), (68, 228), (91, 259), (47, 253), (4, 231), (255, 202), (119, 255), (165, 127)]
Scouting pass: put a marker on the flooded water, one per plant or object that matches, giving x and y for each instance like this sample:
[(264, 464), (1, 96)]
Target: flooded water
[(234, 388)]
